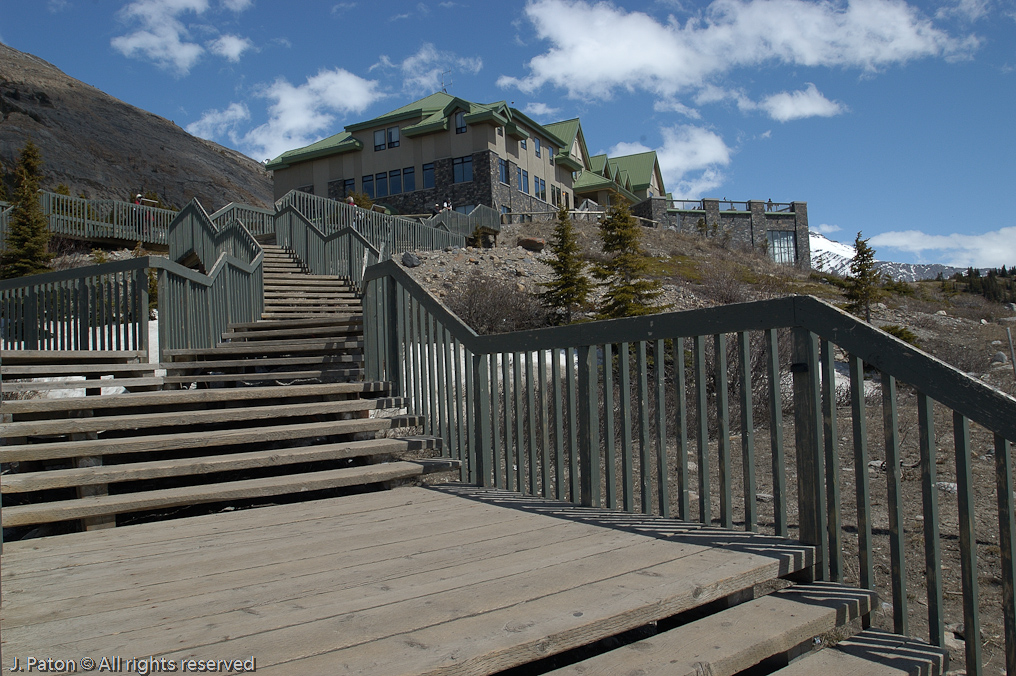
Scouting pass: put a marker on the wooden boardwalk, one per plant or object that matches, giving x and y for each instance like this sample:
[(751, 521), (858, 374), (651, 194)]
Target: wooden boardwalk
[(447, 580)]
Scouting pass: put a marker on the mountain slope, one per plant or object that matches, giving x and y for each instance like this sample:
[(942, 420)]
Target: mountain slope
[(834, 257), (105, 148)]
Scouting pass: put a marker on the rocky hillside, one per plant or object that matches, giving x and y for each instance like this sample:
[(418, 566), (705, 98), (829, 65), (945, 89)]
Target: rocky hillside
[(105, 148)]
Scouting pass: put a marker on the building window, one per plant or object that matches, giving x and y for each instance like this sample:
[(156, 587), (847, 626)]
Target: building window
[(460, 122), (783, 245), (395, 182), (522, 144), (462, 169), (518, 177), (409, 179), (502, 172), (524, 185), (428, 175), (536, 146), (393, 137), (348, 187), (500, 131), (381, 184), (539, 189), (368, 186), (379, 139)]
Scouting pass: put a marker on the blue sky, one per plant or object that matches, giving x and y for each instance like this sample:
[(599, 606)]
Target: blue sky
[(890, 117)]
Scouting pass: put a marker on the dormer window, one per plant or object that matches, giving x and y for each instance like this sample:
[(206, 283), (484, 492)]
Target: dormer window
[(460, 122)]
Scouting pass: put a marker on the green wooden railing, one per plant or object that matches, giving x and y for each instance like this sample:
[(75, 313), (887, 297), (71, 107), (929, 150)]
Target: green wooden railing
[(342, 253), (258, 221), (392, 234), (586, 414), (97, 220), (100, 307), (466, 224)]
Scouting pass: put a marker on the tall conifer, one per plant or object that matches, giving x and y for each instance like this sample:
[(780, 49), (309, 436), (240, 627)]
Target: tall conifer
[(26, 246), (864, 281), (628, 294), (570, 287)]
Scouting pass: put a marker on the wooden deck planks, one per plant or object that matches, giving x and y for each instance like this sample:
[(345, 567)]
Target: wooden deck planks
[(406, 581)]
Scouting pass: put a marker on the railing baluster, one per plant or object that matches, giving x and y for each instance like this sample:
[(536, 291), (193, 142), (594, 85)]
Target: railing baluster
[(544, 419), (747, 432), (893, 472), (444, 425), (458, 385), (482, 450), (509, 440), (866, 563), (832, 462), (555, 375), (610, 466), (810, 458), (723, 430), (702, 412), (589, 427), (645, 465), (627, 457), (662, 465), (929, 499), (471, 434), (968, 543), (495, 424), (574, 489), (1007, 544), (681, 424), (531, 419), (520, 456)]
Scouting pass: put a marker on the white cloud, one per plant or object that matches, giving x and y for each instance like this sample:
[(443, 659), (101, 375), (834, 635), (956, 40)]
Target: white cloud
[(216, 124), (237, 5), (825, 229), (809, 102), (342, 7), (57, 6), (988, 249), (690, 159), (300, 115), (162, 37), (968, 10), (669, 58), (540, 110), (674, 106), (422, 72), (230, 47)]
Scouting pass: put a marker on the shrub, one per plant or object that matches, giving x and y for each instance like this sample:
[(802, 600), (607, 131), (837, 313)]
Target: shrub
[(493, 305), (903, 333)]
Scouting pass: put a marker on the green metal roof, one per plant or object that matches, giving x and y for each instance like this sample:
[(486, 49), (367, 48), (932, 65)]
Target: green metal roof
[(640, 168), (343, 142)]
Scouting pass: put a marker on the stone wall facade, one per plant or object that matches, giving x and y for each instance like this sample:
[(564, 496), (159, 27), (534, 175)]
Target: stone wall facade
[(752, 228)]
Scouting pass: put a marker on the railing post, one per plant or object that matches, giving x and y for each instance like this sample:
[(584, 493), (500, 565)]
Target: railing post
[(141, 285), (482, 451), (589, 428), (389, 319), (808, 435)]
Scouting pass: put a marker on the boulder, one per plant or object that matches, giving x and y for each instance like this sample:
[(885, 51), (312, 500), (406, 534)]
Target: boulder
[(410, 260), (536, 244)]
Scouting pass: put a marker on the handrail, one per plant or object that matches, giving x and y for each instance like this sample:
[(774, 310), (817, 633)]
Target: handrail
[(343, 253), (586, 414), (257, 220)]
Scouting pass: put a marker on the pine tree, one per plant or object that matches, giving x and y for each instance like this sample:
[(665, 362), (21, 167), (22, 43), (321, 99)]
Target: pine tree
[(863, 282), (25, 250), (628, 293), (570, 287)]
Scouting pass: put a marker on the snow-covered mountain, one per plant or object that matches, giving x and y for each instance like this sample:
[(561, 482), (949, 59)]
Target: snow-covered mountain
[(834, 257)]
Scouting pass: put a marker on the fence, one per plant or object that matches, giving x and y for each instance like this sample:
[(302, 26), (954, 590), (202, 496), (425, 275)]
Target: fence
[(466, 224), (642, 414), (343, 253), (258, 221)]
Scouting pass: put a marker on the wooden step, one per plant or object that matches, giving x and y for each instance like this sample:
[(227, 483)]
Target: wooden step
[(270, 347), (243, 412), (166, 398), (336, 360), (337, 319), (199, 440), (67, 384), (337, 375), (72, 356), (231, 462), (339, 330), (737, 638), (14, 370), (107, 505), (304, 313), (873, 653)]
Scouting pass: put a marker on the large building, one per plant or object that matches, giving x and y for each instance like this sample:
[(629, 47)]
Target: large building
[(445, 149)]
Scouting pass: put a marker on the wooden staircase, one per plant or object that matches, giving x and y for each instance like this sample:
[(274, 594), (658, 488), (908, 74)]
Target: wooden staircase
[(276, 411)]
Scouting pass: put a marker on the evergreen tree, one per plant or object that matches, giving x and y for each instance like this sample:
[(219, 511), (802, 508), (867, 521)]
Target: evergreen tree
[(628, 294), (570, 287), (25, 251), (863, 282)]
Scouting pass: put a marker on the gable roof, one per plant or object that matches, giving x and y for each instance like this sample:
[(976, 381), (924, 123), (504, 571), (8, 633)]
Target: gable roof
[(640, 168), (431, 114), (570, 131)]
